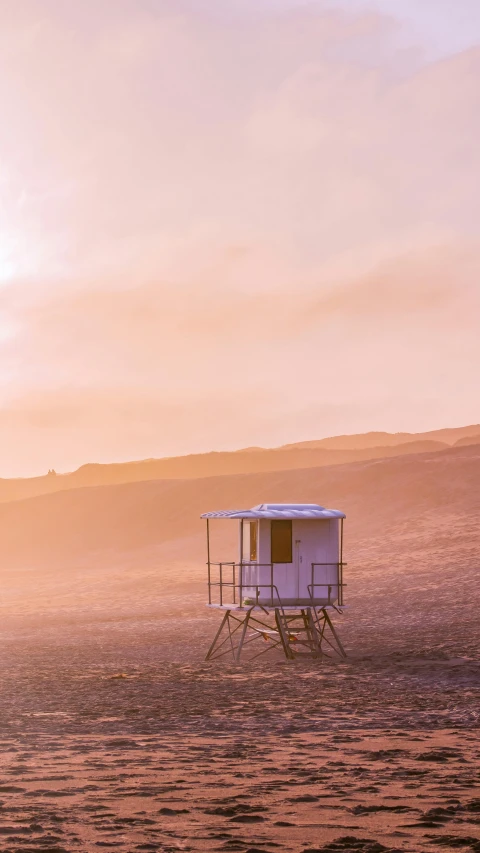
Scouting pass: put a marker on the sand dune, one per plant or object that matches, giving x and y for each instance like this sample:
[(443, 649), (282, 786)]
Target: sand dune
[(332, 451), (374, 493), (468, 439), (448, 435), (202, 465)]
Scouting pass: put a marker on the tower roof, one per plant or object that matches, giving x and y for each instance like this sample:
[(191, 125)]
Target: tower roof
[(277, 511)]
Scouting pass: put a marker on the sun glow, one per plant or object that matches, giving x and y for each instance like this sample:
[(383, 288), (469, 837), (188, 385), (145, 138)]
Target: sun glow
[(8, 264)]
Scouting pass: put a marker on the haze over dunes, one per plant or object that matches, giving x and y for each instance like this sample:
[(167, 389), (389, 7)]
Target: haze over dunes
[(410, 515), (379, 494), (310, 454)]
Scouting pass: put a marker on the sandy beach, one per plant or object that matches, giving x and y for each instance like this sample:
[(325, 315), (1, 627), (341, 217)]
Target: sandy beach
[(115, 733)]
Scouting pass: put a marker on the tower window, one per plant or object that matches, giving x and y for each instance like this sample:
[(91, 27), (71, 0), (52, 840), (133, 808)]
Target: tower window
[(250, 540), (253, 539)]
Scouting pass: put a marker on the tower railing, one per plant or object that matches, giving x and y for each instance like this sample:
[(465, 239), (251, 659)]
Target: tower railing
[(339, 585), (232, 588)]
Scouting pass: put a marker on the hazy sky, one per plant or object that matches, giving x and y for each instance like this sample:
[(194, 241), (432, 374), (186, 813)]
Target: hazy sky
[(227, 223)]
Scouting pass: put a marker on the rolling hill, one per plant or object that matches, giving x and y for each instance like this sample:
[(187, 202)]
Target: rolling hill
[(253, 460), (382, 498)]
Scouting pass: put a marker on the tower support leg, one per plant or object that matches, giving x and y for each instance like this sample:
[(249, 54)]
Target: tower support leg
[(217, 635), (242, 636), (337, 638), (306, 632)]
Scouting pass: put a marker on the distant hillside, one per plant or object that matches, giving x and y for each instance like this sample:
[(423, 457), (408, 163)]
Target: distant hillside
[(449, 436), (202, 465), (388, 499), (338, 450), (468, 439)]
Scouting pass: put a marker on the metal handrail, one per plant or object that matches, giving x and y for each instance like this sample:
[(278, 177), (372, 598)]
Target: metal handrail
[(271, 587), (329, 586), (339, 585), (238, 585)]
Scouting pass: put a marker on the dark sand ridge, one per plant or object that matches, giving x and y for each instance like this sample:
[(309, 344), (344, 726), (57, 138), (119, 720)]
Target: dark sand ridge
[(468, 439), (331, 451), (115, 734)]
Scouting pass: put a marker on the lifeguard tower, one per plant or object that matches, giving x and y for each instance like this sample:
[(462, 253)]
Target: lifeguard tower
[(285, 584)]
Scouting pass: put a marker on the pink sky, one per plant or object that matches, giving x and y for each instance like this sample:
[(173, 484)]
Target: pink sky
[(229, 224)]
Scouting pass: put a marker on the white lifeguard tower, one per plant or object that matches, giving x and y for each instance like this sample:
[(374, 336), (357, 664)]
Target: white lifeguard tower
[(289, 571)]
